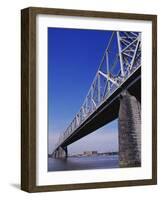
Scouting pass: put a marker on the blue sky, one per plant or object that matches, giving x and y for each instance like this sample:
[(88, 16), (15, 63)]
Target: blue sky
[(73, 59)]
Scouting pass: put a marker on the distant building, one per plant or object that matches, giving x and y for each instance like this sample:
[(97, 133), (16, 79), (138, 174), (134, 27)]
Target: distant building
[(94, 153), (90, 153)]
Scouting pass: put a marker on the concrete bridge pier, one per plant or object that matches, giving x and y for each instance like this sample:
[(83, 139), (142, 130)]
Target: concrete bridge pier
[(61, 152), (129, 125)]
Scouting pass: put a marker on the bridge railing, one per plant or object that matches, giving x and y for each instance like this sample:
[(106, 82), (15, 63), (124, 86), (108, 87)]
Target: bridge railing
[(121, 58)]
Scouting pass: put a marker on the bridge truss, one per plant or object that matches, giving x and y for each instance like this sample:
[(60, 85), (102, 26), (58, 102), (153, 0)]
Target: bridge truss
[(121, 59)]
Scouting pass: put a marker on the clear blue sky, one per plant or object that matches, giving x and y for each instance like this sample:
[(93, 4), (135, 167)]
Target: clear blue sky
[(73, 59)]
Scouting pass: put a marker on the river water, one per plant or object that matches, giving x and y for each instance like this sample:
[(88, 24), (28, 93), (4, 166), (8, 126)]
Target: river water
[(80, 163)]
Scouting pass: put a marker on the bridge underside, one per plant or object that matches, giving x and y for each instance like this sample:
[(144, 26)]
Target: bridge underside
[(108, 111)]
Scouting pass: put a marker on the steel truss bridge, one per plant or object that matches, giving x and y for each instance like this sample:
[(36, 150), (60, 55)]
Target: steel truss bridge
[(119, 70)]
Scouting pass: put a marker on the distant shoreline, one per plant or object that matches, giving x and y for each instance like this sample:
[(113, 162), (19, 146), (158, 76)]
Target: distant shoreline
[(90, 155), (97, 154)]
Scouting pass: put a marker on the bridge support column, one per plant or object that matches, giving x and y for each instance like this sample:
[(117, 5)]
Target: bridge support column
[(129, 125), (61, 152), (56, 154)]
